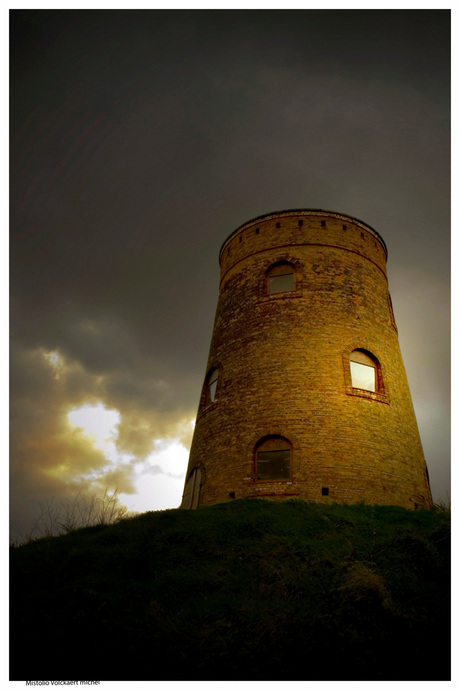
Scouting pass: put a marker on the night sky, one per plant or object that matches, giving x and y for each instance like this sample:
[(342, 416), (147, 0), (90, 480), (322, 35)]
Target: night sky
[(139, 141)]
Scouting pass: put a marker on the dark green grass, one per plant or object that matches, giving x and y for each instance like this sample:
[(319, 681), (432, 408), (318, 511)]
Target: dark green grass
[(245, 590)]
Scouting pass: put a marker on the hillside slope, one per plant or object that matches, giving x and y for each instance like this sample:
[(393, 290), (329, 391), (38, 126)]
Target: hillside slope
[(245, 590)]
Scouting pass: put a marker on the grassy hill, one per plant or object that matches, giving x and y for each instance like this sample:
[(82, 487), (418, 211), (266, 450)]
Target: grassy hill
[(245, 590)]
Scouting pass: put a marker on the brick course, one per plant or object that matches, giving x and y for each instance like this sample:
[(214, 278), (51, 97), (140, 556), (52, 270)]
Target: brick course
[(283, 363)]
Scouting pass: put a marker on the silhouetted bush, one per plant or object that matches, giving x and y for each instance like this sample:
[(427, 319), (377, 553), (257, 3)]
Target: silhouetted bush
[(61, 517)]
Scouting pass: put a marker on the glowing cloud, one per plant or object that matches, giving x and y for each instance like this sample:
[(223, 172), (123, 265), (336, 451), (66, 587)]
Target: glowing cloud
[(56, 362), (156, 481), (159, 479), (98, 423)]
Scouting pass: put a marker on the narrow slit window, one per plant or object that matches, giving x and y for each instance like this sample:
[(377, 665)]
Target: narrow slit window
[(281, 278), (192, 490), (390, 308), (212, 385)]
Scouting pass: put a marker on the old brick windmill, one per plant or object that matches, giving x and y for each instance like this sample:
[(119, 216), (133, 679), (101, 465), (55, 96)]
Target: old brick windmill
[(305, 392)]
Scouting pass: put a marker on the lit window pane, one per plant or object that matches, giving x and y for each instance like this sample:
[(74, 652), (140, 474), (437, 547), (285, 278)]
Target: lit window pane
[(283, 283), (273, 464), (362, 376)]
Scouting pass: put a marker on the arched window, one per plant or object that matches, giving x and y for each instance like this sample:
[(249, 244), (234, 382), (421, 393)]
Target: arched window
[(273, 456), (281, 278), (192, 490), (364, 371), (211, 385)]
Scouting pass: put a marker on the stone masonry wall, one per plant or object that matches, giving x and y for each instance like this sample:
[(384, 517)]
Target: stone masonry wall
[(284, 369)]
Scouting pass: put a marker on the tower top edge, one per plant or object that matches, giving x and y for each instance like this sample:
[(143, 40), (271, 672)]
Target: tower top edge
[(306, 212)]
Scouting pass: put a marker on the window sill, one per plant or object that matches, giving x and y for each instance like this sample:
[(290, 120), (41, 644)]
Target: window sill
[(270, 490), (207, 408), (259, 494), (291, 294), (361, 393), (273, 482)]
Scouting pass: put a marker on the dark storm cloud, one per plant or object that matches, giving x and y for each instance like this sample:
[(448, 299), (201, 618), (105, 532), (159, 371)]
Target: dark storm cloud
[(140, 140)]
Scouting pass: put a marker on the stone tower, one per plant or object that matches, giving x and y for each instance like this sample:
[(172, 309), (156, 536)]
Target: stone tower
[(305, 392)]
